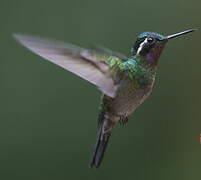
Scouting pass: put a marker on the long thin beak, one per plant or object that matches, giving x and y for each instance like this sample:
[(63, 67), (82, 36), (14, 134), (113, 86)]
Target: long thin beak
[(179, 34)]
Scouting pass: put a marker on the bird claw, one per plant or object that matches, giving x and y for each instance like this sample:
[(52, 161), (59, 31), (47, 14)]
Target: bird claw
[(123, 120)]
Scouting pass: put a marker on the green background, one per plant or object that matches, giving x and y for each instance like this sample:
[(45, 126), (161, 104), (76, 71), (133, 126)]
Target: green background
[(48, 117)]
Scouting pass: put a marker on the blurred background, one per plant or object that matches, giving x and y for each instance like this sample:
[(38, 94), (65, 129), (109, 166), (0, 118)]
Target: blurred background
[(48, 117)]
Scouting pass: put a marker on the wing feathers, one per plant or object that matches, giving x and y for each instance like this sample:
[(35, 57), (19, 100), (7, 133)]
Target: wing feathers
[(79, 61)]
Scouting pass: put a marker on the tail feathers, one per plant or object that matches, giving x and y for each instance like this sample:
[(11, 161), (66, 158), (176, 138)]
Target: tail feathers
[(100, 147)]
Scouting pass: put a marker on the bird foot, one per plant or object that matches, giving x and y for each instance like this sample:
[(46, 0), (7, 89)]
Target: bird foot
[(123, 120)]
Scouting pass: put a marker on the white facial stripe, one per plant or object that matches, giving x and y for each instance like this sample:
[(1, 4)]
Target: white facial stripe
[(141, 46)]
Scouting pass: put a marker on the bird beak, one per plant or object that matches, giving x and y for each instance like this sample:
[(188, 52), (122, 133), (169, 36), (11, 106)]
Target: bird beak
[(179, 34)]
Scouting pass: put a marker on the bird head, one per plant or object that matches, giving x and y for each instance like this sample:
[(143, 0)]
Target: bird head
[(149, 45)]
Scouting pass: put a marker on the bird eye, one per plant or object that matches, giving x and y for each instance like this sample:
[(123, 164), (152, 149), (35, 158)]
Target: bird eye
[(150, 40)]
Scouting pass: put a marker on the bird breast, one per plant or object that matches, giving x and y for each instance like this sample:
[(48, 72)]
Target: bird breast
[(129, 98)]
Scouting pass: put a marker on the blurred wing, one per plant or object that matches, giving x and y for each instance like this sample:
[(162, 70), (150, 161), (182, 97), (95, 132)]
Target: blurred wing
[(106, 51), (82, 62)]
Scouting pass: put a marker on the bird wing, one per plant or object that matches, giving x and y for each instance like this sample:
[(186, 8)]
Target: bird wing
[(88, 64), (106, 51)]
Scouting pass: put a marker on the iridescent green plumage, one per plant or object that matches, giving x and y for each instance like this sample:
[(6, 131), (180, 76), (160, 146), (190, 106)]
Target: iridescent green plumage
[(125, 82)]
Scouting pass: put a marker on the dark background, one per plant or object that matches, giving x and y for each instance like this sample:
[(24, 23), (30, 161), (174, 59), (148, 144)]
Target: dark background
[(48, 117)]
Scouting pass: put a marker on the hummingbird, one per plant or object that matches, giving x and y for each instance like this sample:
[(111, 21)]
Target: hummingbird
[(125, 82)]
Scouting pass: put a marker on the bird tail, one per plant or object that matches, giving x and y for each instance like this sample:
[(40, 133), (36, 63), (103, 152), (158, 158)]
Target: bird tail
[(104, 133)]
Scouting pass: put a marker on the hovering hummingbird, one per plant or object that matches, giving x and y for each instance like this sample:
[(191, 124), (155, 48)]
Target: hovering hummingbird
[(124, 82)]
